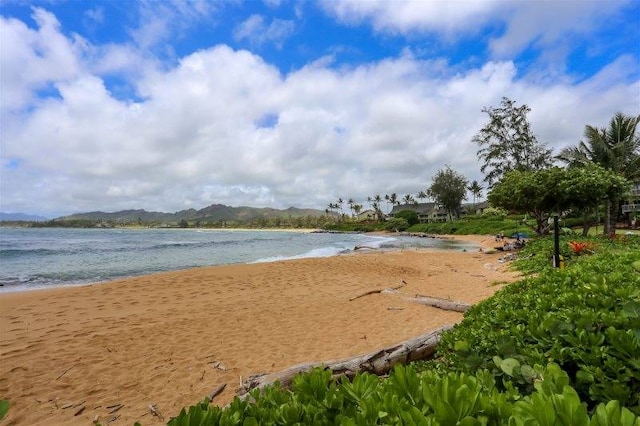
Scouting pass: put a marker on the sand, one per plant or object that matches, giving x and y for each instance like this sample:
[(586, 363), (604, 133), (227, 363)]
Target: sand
[(76, 354)]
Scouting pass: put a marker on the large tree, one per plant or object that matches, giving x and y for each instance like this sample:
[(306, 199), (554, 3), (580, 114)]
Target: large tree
[(541, 193), (448, 189), (507, 142), (616, 148)]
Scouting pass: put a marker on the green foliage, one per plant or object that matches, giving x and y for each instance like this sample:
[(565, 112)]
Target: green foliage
[(4, 408), (542, 192), (585, 318), (411, 216), (408, 397), (396, 224), (448, 189), (475, 225), (354, 226), (507, 142)]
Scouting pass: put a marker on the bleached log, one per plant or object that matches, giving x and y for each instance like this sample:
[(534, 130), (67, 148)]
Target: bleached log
[(445, 304), (379, 362)]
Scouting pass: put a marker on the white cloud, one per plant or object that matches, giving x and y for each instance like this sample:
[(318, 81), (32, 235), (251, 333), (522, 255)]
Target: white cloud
[(256, 30), (543, 24), (404, 16), (196, 137), (31, 60)]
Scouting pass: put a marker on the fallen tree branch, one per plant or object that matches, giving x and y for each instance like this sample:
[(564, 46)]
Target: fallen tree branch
[(216, 391), (440, 303), (379, 362), (378, 291)]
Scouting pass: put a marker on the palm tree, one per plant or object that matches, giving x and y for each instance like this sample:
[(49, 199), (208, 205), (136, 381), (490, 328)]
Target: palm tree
[(377, 199), (393, 198), (339, 206), (351, 203), (408, 199), (421, 195), (476, 190), (616, 148)]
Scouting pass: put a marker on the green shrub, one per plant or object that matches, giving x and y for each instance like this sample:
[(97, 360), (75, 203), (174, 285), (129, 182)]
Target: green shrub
[(410, 216), (586, 318), (407, 397), (396, 224)]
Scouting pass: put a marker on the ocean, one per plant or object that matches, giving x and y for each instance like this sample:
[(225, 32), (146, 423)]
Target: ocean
[(33, 258)]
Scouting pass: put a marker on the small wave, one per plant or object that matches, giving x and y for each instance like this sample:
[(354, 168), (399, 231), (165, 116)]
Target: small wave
[(6, 253), (315, 253)]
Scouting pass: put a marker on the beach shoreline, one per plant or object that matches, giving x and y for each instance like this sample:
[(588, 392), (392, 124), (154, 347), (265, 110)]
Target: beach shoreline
[(167, 339)]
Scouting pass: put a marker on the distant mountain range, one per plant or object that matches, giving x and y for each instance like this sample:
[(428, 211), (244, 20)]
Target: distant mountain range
[(212, 213), (17, 217)]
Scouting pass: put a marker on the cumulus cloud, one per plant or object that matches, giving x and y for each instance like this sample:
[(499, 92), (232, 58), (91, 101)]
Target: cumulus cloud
[(516, 25), (225, 126), (256, 30)]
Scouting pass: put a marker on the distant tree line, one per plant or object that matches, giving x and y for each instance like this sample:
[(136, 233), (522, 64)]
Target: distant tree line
[(524, 176)]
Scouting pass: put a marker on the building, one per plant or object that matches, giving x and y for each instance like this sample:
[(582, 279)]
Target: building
[(427, 212), (634, 205), (368, 214)]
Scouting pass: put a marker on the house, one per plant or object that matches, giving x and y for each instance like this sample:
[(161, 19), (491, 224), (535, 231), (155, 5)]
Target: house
[(634, 198), (475, 208), (427, 212), (366, 215)]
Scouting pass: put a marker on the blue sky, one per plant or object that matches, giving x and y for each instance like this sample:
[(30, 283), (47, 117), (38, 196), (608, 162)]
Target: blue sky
[(167, 105)]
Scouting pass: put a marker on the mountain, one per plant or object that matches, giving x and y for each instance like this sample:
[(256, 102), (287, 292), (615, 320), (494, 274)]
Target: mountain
[(212, 213), (18, 217)]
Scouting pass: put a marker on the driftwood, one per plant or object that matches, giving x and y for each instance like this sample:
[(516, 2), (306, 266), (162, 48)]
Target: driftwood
[(153, 409), (445, 304), (379, 362), (378, 291), (216, 391)]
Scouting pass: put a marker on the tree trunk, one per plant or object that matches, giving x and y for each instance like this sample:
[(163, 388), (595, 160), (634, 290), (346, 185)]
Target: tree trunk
[(379, 362), (608, 229), (614, 205)]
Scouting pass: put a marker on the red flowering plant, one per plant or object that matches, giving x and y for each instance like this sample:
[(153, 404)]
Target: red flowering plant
[(581, 247)]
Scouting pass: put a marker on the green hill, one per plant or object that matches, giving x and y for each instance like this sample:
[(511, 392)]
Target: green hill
[(211, 214)]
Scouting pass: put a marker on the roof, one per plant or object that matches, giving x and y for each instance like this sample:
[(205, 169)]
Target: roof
[(420, 208)]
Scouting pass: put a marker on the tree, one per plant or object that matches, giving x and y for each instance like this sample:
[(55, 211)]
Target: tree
[(541, 193), (408, 199), (476, 190), (351, 203), (421, 195), (507, 142), (411, 216), (448, 189), (616, 148)]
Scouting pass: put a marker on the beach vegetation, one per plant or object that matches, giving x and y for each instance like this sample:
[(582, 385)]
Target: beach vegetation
[(396, 225), (507, 142), (4, 408), (477, 225)]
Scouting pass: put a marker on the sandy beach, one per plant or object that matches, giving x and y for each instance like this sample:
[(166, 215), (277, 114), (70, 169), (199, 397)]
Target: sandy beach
[(107, 351)]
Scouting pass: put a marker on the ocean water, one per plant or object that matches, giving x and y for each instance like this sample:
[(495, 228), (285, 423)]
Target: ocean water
[(32, 258)]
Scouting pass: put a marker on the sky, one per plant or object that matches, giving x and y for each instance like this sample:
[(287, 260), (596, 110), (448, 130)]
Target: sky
[(176, 104)]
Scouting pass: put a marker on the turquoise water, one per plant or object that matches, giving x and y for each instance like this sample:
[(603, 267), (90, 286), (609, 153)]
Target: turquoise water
[(33, 258)]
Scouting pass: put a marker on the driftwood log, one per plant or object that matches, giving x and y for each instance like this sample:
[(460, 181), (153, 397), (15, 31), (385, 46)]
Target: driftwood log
[(445, 304), (379, 362), (381, 290)]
